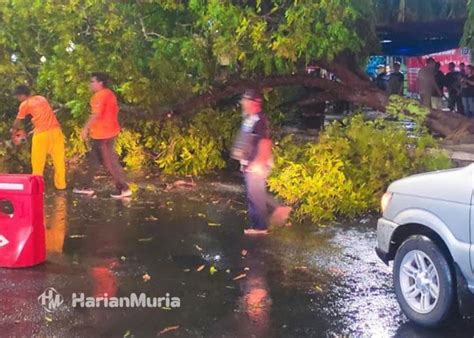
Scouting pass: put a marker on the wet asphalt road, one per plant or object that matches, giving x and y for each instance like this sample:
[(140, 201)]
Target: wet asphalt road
[(188, 242)]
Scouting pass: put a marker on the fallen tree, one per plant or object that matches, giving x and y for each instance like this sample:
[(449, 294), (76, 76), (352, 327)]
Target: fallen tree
[(351, 86)]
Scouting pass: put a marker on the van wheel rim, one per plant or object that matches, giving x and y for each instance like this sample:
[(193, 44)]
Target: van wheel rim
[(419, 281)]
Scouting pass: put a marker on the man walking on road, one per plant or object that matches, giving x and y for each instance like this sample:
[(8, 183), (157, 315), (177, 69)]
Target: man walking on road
[(103, 127), (253, 147), (48, 138)]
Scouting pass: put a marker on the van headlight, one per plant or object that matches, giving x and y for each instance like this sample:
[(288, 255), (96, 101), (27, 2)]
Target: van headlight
[(385, 200)]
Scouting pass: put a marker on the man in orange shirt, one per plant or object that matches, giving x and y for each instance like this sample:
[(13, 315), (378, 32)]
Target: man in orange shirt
[(48, 138), (103, 127)]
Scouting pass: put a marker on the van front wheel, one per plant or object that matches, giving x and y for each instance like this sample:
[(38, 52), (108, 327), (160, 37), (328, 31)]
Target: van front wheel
[(423, 280)]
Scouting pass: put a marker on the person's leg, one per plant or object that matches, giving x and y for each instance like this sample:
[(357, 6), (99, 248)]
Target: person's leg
[(451, 101), (272, 203), (251, 211), (465, 103), (459, 105), (470, 101), (111, 162), (92, 165), (256, 194), (59, 163), (426, 100), (39, 151), (436, 102)]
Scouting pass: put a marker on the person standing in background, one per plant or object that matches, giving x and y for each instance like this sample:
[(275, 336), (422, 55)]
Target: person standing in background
[(427, 84), (453, 84), (437, 97), (468, 91), (395, 81), (381, 79), (462, 69)]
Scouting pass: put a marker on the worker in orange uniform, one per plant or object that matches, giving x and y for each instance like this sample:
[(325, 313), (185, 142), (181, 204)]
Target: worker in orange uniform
[(103, 128), (48, 139)]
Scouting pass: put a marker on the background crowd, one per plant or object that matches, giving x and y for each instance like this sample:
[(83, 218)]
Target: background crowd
[(455, 87)]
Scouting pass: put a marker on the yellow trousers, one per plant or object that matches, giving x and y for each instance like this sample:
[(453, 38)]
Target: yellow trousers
[(50, 142)]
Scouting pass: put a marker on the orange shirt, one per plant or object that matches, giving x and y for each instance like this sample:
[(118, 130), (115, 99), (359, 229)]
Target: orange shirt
[(43, 117), (104, 104)]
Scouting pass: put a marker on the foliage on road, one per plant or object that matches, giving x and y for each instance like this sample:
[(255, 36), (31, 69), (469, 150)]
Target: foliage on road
[(346, 173)]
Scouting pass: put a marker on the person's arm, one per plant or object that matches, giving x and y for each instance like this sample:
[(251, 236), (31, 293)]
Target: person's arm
[(22, 112), (90, 121), (469, 82), (16, 125), (264, 152), (97, 107), (264, 148)]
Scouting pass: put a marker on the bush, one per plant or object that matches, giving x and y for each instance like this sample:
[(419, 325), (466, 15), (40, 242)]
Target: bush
[(129, 147), (191, 147), (181, 146), (76, 148), (12, 158), (346, 173)]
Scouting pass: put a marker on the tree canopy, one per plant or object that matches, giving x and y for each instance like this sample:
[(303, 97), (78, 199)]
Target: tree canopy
[(159, 52)]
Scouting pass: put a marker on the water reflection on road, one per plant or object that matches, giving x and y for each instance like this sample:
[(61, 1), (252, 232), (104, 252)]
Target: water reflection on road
[(304, 281)]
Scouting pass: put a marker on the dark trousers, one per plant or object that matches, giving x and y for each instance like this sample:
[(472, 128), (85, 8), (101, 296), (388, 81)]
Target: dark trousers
[(103, 152), (455, 101), (260, 203), (468, 103)]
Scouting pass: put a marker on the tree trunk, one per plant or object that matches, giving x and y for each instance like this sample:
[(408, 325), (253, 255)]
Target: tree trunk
[(351, 86)]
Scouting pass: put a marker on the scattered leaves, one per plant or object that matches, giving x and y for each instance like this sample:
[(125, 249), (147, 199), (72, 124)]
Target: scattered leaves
[(145, 239), (168, 329), (243, 275), (146, 278), (77, 236)]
